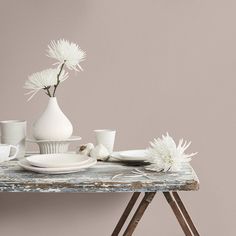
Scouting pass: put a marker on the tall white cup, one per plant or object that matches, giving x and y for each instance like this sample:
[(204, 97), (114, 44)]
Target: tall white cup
[(14, 132), (105, 137)]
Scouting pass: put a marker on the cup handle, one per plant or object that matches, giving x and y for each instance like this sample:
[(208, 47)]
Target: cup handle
[(16, 152)]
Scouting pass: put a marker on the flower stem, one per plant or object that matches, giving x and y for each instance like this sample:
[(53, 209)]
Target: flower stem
[(48, 91), (58, 79)]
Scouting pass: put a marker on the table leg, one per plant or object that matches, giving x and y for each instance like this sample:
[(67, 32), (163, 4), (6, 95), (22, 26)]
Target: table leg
[(126, 213), (185, 213), (139, 213), (178, 213)]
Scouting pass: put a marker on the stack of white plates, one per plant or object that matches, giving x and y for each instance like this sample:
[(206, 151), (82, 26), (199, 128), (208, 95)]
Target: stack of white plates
[(57, 163), (131, 156)]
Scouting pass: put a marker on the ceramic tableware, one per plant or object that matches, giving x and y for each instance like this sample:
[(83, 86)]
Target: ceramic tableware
[(52, 124), (14, 132), (130, 155), (51, 146), (105, 137), (134, 154), (5, 150), (57, 160), (59, 170)]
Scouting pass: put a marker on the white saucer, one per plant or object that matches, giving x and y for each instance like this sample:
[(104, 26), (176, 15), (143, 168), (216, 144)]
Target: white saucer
[(60, 170), (57, 160), (131, 155)]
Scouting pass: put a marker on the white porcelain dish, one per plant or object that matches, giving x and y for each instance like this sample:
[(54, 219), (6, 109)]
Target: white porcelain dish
[(60, 170), (57, 160), (131, 155), (54, 146)]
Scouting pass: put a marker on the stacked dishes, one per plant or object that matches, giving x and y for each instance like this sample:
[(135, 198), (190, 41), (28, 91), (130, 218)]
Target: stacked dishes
[(57, 163), (131, 156)]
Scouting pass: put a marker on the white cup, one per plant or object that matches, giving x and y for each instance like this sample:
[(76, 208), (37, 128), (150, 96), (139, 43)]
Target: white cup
[(5, 150), (14, 132), (105, 137)]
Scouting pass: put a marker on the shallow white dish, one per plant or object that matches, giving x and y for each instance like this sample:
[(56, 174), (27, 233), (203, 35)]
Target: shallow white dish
[(57, 160), (54, 146), (60, 170), (131, 155)]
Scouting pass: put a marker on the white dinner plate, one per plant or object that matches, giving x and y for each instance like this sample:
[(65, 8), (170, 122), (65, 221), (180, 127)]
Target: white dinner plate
[(131, 155), (60, 170), (57, 160)]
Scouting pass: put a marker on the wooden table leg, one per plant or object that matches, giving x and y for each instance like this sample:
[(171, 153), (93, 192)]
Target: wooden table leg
[(126, 213), (185, 213), (139, 213), (178, 213)]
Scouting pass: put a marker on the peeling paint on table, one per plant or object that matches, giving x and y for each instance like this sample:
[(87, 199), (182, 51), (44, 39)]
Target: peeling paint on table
[(96, 179)]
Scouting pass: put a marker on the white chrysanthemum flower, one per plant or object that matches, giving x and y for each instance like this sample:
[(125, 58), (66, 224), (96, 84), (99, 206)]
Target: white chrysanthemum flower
[(66, 52), (166, 155), (43, 80)]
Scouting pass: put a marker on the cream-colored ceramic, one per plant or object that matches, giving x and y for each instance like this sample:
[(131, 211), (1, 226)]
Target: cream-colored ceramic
[(52, 124), (105, 137), (59, 170), (57, 160), (130, 155), (5, 152), (51, 147), (14, 132)]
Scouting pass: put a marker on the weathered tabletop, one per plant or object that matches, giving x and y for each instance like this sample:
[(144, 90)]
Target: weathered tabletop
[(96, 179)]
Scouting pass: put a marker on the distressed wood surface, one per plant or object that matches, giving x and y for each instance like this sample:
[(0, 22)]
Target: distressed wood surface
[(96, 179)]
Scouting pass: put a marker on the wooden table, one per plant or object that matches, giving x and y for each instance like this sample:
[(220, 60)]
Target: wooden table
[(99, 178)]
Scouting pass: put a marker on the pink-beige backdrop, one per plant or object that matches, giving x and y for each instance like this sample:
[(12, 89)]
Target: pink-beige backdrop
[(152, 67)]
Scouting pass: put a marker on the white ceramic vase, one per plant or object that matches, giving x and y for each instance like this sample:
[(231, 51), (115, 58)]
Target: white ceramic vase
[(52, 124)]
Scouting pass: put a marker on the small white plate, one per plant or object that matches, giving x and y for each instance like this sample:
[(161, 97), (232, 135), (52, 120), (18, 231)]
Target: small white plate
[(60, 170), (131, 155), (57, 160)]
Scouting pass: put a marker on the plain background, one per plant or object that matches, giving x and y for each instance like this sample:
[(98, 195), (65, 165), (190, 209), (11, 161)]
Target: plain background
[(152, 66)]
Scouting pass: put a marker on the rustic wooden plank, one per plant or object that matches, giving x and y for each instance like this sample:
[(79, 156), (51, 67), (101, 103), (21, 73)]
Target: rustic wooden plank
[(96, 179)]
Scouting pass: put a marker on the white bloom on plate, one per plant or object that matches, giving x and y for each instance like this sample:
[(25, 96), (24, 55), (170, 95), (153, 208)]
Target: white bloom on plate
[(166, 155), (66, 52), (43, 80)]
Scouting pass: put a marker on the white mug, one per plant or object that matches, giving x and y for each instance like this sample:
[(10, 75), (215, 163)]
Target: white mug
[(5, 151), (14, 132), (105, 137)]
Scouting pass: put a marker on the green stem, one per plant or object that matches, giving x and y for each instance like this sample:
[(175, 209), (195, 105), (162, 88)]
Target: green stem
[(58, 79)]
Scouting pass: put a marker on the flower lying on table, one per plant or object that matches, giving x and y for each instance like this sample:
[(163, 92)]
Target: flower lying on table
[(167, 155)]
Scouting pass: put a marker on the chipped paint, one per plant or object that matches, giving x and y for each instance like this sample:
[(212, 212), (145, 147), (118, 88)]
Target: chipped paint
[(96, 179)]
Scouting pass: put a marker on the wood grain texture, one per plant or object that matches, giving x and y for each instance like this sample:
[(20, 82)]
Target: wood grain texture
[(96, 179)]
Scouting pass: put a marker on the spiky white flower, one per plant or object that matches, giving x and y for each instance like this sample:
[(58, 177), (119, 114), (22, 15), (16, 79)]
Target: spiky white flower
[(66, 52), (167, 155), (43, 80)]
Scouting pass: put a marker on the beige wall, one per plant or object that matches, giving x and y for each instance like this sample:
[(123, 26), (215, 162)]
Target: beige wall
[(152, 67)]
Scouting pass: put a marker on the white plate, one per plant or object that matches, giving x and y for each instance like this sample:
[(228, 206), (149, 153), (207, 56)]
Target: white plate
[(60, 170), (131, 155), (57, 160)]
